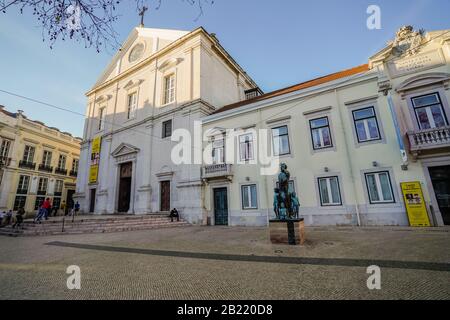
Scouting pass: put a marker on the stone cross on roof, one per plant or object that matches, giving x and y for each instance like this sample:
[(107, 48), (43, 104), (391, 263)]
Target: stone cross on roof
[(142, 13)]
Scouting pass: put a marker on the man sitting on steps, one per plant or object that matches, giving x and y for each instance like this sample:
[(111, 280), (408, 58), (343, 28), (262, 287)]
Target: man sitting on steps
[(173, 214)]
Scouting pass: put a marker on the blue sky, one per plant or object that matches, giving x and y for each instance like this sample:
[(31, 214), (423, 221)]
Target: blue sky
[(278, 42)]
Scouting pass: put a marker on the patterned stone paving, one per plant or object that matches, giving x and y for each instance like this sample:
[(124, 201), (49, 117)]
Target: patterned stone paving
[(228, 263)]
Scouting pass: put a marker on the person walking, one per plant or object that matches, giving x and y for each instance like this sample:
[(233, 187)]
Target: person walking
[(63, 207), (47, 205), (77, 207), (19, 217)]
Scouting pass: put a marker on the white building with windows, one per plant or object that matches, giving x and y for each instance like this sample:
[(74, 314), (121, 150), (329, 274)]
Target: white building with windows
[(160, 80), (349, 139)]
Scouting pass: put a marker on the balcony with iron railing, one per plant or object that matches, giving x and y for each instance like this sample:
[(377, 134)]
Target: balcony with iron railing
[(27, 165), (45, 168), (61, 171), (216, 171), (429, 140), (73, 173)]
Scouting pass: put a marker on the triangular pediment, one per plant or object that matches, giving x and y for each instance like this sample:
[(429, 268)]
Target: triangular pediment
[(147, 41), (124, 149)]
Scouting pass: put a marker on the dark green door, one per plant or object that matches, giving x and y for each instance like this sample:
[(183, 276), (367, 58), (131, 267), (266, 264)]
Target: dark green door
[(440, 177), (220, 207)]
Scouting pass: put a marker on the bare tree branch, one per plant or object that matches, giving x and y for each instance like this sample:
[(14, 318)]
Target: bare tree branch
[(88, 21)]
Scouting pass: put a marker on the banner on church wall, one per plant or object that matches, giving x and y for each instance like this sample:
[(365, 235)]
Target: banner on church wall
[(415, 204), (95, 159)]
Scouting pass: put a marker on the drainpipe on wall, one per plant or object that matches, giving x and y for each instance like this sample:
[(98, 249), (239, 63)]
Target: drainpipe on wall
[(358, 218), (401, 144)]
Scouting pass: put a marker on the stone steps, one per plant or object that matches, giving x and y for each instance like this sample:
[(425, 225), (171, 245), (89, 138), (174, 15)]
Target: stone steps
[(84, 226)]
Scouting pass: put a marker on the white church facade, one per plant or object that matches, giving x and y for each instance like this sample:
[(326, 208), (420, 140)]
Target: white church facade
[(159, 81)]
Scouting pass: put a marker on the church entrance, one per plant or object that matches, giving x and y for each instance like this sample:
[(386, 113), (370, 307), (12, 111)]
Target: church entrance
[(125, 187), (165, 196)]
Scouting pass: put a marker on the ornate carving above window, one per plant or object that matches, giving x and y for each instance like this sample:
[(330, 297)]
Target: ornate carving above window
[(172, 62), (132, 84), (423, 80)]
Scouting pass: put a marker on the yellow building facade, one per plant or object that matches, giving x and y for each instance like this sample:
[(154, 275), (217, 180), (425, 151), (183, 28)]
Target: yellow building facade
[(37, 162)]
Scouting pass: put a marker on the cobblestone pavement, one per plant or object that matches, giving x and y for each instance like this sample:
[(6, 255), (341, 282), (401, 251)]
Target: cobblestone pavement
[(229, 263)]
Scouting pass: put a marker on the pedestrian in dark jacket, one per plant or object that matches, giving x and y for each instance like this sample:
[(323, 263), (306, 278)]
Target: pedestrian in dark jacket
[(19, 217), (174, 214)]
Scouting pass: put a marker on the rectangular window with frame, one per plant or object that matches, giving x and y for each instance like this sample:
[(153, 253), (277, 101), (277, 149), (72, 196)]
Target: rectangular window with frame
[(249, 197), (24, 182), (28, 154), (38, 202), (320, 133), (58, 187), (47, 158), (246, 147), (19, 202), (429, 111), (4, 148), (330, 194), (218, 150), (167, 129), (131, 105), (169, 89), (56, 203), (101, 118), (366, 124), (280, 141), (42, 186), (62, 162), (75, 164), (379, 187)]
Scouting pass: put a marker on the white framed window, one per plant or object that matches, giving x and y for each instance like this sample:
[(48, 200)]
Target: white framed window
[(366, 124), (62, 162), (42, 186), (429, 111), (75, 164), (28, 154), (280, 141), (24, 182), (47, 158), (218, 150), (320, 133), (4, 148), (169, 89), (330, 194), (246, 147), (101, 118), (59, 186), (249, 197), (131, 105), (379, 187)]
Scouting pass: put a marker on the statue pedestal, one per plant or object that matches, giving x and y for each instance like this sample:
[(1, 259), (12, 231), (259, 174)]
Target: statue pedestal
[(287, 231)]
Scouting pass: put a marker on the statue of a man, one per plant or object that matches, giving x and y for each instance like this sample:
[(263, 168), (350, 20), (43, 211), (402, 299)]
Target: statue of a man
[(283, 185)]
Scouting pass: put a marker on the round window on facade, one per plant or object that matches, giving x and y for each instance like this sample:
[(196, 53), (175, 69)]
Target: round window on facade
[(136, 52)]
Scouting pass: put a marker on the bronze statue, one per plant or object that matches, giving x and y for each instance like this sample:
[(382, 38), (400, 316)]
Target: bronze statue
[(285, 204)]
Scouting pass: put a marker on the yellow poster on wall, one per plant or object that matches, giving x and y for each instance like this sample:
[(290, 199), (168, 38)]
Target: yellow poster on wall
[(415, 204), (95, 159)]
